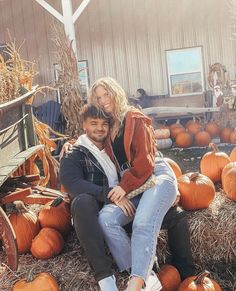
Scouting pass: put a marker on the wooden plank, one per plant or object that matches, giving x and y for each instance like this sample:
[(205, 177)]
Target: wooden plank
[(18, 160), (166, 110)]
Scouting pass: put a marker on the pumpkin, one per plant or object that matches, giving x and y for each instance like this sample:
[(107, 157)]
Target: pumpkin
[(56, 214), (233, 155), (229, 183), (212, 163), (193, 126), (200, 282), (26, 226), (175, 167), (169, 278), (164, 143), (232, 137), (226, 168), (213, 129), (176, 130), (225, 134), (202, 138), (41, 281), (47, 244), (162, 133), (197, 191), (184, 139)]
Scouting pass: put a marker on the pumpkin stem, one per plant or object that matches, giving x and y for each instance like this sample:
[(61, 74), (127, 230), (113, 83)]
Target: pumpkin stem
[(193, 176), (213, 147), (56, 202), (30, 275), (199, 279)]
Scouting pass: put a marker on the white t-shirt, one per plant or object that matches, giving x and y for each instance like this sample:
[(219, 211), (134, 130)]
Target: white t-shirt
[(102, 157)]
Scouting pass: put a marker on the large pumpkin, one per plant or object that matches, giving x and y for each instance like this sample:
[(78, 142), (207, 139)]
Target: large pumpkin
[(197, 191), (175, 167), (164, 143), (233, 155), (202, 138), (226, 169), (56, 214), (41, 281), (184, 139), (176, 130), (169, 278), (212, 163), (193, 126), (199, 283), (229, 183), (213, 129), (26, 226), (47, 244)]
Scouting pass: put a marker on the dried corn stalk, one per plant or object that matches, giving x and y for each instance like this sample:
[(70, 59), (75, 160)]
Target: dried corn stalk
[(15, 73), (68, 81)]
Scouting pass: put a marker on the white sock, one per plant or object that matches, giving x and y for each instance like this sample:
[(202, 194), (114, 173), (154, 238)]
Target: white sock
[(108, 284)]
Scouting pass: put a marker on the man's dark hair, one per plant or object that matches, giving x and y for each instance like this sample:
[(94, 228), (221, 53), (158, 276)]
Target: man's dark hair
[(93, 111)]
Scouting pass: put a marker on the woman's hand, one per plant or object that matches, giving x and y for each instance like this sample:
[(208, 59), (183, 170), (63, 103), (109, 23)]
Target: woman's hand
[(65, 149), (116, 194), (127, 206)]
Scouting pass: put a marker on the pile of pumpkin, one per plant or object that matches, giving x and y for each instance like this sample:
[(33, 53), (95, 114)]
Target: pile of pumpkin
[(193, 133), (42, 234)]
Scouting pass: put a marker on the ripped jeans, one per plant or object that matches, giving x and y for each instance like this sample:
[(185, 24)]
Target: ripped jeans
[(139, 252)]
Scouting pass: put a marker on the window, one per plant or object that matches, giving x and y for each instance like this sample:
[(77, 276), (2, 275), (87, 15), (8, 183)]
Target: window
[(185, 71), (84, 77)]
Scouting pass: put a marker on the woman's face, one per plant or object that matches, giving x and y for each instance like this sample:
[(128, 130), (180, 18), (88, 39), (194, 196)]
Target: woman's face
[(104, 100)]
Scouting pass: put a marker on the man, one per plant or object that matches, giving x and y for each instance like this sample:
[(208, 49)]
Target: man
[(88, 175)]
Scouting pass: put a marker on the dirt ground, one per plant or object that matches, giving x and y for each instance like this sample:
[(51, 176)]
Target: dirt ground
[(71, 269)]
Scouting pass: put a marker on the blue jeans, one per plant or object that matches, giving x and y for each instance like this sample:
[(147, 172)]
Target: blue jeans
[(139, 252)]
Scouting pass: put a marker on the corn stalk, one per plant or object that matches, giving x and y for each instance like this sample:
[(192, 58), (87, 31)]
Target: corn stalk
[(68, 80)]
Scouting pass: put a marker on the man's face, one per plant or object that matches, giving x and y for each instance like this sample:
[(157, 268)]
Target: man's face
[(96, 129)]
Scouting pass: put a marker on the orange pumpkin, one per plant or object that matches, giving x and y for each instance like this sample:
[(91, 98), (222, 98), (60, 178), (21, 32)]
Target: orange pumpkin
[(184, 139), (26, 226), (212, 163), (39, 282), (229, 183), (47, 244), (169, 278), (213, 129), (226, 168), (193, 126), (176, 130), (233, 155), (232, 137), (197, 191), (199, 283), (175, 167), (202, 138), (225, 134), (56, 214)]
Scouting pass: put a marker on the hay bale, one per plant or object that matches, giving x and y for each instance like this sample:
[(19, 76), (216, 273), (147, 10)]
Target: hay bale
[(212, 231)]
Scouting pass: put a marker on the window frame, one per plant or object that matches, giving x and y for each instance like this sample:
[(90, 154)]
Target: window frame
[(201, 71)]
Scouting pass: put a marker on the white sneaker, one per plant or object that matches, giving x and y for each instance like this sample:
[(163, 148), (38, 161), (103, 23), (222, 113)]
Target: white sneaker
[(108, 284), (153, 283)]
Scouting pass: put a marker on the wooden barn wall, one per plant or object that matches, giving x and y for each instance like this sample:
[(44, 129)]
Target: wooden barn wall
[(125, 39)]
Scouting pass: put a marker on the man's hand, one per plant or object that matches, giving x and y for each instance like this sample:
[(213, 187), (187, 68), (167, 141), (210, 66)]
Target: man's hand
[(127, 206), (65, 149), (116, 194)]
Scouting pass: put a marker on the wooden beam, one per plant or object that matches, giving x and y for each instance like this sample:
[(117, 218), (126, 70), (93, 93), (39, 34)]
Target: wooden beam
[(79, 10), (50, 9), (182, 110)]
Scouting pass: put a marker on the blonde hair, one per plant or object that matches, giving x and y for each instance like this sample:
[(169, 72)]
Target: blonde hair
[(116, 93)]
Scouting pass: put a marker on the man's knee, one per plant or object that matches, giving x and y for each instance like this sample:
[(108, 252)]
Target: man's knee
[(84, 203), (175, 215)]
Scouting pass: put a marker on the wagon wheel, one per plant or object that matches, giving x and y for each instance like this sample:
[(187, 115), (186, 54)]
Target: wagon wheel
[(7, 235)]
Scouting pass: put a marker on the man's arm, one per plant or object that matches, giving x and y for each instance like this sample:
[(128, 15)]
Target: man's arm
[(72, 178)]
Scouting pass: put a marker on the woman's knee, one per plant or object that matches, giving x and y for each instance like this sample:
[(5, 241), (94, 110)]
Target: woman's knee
[(106, 216)]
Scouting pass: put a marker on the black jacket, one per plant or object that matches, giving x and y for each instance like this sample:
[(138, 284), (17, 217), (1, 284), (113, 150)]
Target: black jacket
[(80, 172)]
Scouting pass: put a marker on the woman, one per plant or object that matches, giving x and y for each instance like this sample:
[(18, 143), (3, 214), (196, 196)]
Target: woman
[(132, 148)]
